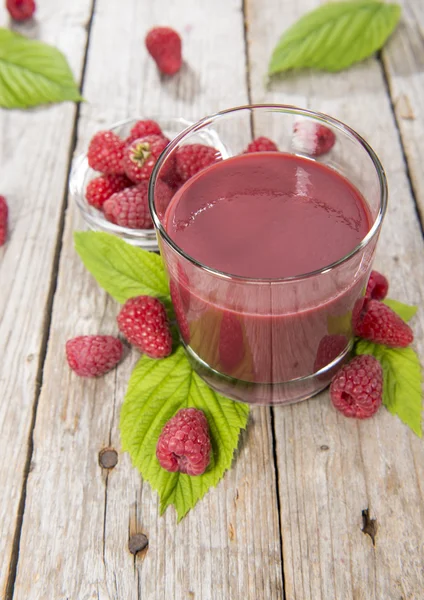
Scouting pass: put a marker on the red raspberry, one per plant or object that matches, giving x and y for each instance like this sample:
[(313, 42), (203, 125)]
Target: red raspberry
[(106, 153), (93, 355), (141, 156), (130, 207), (143, 128), (4, 211), (231, 343), (184, 444), (192, 158), (356, 389), (312, 138), (261, 144), (330, 347), (101, 188), (377, 287), (180, 312), (374, 321), (164, 46), (144, 323), (21, 10)]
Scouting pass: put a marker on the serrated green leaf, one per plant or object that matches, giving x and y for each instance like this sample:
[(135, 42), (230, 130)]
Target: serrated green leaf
[(124, 271), (335, 35), (33, 73), (402, 393), (405, 311), (157, 390)]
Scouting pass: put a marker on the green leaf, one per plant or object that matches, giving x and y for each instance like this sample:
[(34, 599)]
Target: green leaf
[(157, 390), (405, 311), (124, 271), (335, 35), (33, 73), (402, 393)]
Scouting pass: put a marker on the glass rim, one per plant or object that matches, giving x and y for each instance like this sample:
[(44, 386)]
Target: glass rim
[(286, 109)]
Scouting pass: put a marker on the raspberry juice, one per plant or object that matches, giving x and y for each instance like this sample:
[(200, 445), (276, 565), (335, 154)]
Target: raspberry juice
[(265, 313)]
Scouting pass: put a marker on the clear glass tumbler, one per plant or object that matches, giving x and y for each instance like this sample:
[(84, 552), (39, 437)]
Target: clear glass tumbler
[(271, 341)]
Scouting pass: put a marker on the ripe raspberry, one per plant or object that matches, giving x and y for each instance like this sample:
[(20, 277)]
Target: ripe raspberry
[(21, 10), (143, 128), (377, 287), (180, 312), (93, 355), (141, 155), (144, 323), (374, 321), (4, 211), (106, 153), (101, 188), (330, 347), (130, 207), (312, 138), (356, 389), (184, 444), (164, 46), (261, 144), (231, 343), (192, 158)]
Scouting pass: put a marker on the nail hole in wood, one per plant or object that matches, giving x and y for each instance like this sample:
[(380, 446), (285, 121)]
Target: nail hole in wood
[(324, 447), (369, 526), (137, 543), (108, 458)]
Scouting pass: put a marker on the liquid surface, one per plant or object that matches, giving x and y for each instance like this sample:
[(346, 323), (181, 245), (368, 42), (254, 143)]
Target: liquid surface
[(267, 215)]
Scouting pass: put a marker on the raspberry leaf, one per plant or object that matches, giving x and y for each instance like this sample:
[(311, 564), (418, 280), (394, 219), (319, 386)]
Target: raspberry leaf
[(157, 390), (33, 73), (405, 311), (124, 271), (402, 393), (335, 35)]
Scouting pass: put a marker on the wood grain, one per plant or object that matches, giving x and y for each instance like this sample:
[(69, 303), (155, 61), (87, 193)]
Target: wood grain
[(79, 519), (332, 468), (34, 155)]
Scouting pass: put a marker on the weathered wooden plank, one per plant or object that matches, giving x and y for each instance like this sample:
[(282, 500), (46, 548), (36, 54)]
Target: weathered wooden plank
[(79, 519), (403, 60), (332, 468), (34, 155)]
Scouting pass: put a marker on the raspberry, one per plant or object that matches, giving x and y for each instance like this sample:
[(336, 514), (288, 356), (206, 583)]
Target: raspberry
[(261, 144), (180, 314), (4, 211), (93, 355), (374, 321), (20, 10), (130, 207), (164, 46), (141, 156), (106, 153), (143, 128), (192, 158), (231, 343), (377, 287), (312, 138), (329, 348), (356, 389), (144, 323), (100, 189), (184, 444)]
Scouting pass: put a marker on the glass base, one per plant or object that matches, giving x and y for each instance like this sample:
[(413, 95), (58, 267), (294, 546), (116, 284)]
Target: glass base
[(267, 394)]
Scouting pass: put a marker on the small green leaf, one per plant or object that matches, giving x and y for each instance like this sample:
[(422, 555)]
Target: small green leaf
[(402, 393), (157, 390), (335, 35), (405, 311), (33, 73), (124, 271)]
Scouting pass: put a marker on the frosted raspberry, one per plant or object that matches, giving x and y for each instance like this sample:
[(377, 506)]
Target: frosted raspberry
[(356, 390), (377, 287), (184, 444), (164, 46), (4, 212), (261, 144), (101, 188), (141, 156), (312, 138), (143, 128), (93, 355), (374, 321), (130, 207), (144, 323), (192, 158), (106, 153)]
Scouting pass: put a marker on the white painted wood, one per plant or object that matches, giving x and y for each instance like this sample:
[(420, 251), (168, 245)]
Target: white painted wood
[(34, 157), (331, 468), (78, 519)]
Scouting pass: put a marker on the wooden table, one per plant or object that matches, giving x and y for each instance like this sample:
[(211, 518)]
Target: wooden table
[(287, 520)]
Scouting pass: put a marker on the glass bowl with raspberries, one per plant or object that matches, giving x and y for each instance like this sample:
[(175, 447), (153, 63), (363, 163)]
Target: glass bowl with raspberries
[(110, 181)]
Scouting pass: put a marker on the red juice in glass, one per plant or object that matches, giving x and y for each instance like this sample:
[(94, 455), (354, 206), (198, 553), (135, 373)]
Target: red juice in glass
[(261, 275)]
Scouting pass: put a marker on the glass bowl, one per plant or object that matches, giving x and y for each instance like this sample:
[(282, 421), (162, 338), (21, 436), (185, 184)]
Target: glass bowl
[(82, 174)]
